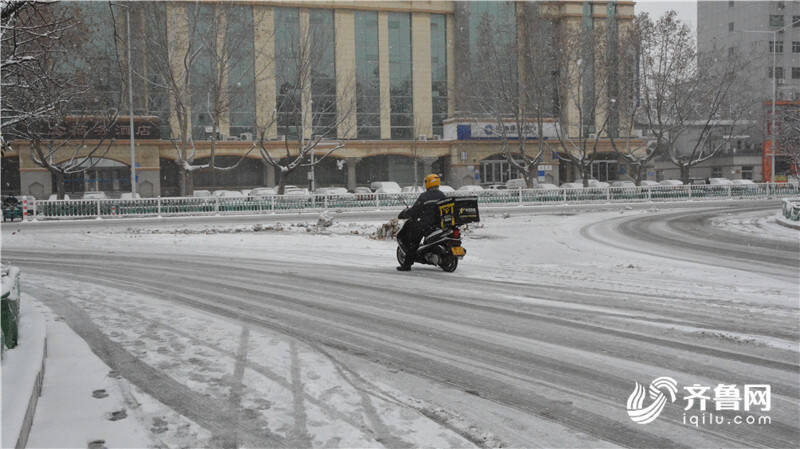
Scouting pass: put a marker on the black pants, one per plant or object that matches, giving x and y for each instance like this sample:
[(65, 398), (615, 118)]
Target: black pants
[(410, 236)]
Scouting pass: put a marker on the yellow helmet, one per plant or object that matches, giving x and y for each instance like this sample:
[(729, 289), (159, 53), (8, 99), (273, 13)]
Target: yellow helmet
[(432, 180)]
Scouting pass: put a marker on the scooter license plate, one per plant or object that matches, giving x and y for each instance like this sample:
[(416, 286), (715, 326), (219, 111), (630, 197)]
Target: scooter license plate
[(458, 251)]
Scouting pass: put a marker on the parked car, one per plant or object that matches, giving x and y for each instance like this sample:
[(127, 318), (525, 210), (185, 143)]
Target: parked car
[(743, 182), (572, 185), (201, 193), (385, 187), (54, 197), (470, 188), (623, 184), (545, 186), (95, 196), (228, 194), (719, 181), (261, 192), (296, 192), (363, 193), (246, 192), (671, 182), (496, 187), (412, 189), (446, 189), (518, 183), (339, 193), (647, 183), (593, 183), (130, 196)]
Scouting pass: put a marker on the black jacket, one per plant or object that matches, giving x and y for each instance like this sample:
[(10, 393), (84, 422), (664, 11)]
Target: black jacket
[(418, 211)]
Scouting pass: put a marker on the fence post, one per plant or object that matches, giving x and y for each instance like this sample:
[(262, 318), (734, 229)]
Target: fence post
[(35, 209), (325, 203), (25, 210), (377, 201), (564, 194), (97, 202), (690, 191), (272, 203), (649, 194), (216, 205), (608, 193), (158, 208), (729, 192)]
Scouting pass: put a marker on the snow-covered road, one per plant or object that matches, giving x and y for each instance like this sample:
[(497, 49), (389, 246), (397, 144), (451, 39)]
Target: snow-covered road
[(258, 335)]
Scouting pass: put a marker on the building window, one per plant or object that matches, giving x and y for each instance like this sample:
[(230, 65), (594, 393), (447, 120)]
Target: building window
[(747, 172), (201, 73), (796, 21), (438, 71), (716, 172), (241, 70), (795, 46), (368, 97), (401, 97), (287, 71), (323, 73), (731, 51), (795, 73), (776, 46), (781, 4), (779, 73), (730, 26), (776, 20), (730, 4)]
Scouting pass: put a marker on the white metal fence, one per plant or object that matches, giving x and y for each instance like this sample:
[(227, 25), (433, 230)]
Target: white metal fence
[(110, 208)]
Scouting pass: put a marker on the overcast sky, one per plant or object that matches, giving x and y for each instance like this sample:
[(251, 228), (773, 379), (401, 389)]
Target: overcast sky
[(686, 9)]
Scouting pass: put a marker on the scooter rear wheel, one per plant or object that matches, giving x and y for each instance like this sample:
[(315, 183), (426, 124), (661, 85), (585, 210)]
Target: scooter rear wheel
[(449, 263), (401, 255)]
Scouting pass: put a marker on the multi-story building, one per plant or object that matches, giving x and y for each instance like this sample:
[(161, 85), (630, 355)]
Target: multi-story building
[(385, 82), (746, 28)]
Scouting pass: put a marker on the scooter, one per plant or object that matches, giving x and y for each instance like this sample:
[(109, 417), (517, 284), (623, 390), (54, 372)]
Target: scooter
[(441, 246)]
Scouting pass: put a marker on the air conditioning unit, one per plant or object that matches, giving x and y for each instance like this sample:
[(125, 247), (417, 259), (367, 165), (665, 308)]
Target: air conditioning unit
[(208, 129), (281, 137), (422, 137), (437, 137), (246, 137)]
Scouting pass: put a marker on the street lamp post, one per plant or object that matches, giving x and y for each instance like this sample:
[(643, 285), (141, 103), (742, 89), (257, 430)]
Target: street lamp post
[(772, 145)]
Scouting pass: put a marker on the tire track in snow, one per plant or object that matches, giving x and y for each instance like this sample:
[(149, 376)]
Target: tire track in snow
[(560, 413)]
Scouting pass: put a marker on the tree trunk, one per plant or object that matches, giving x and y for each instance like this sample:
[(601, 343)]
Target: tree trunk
[(637, 174), (531, 175), (685, 173), (281, 180), (211, 165), (60, 191), (585, 176), (182, 180)]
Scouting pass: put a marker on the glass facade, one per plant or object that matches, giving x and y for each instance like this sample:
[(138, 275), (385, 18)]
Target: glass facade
[(368, 101), (153, 47), (401, 95), (502, 15), (201, 73), (287, 67), (438, 71), (241, 71), (323, 73)]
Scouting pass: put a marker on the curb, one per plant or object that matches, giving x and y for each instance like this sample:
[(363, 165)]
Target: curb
[(781, 220), (27, 369)]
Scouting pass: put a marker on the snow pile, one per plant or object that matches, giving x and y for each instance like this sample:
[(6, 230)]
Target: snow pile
[(387, 231), (761, 223)]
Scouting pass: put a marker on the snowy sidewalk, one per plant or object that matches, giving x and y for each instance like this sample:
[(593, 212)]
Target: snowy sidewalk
[(81, 404)]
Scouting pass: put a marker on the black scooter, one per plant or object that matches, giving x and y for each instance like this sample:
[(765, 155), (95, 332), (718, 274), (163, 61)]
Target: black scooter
[(441, 245)]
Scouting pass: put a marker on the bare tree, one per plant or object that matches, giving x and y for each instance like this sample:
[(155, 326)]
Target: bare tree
[(788, 135), (33, 38), (690, 103), (61, 90), (515, 83), (583, 89), (306, 126), (637, 54), (203, 52)]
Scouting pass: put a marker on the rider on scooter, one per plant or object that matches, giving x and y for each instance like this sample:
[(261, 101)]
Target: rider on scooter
[(418, 220)]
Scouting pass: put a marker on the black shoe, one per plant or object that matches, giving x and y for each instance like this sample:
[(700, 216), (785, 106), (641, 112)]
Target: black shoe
[(403, 268)]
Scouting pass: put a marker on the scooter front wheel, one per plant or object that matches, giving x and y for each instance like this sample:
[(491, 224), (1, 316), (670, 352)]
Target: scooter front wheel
[(449, 263)]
